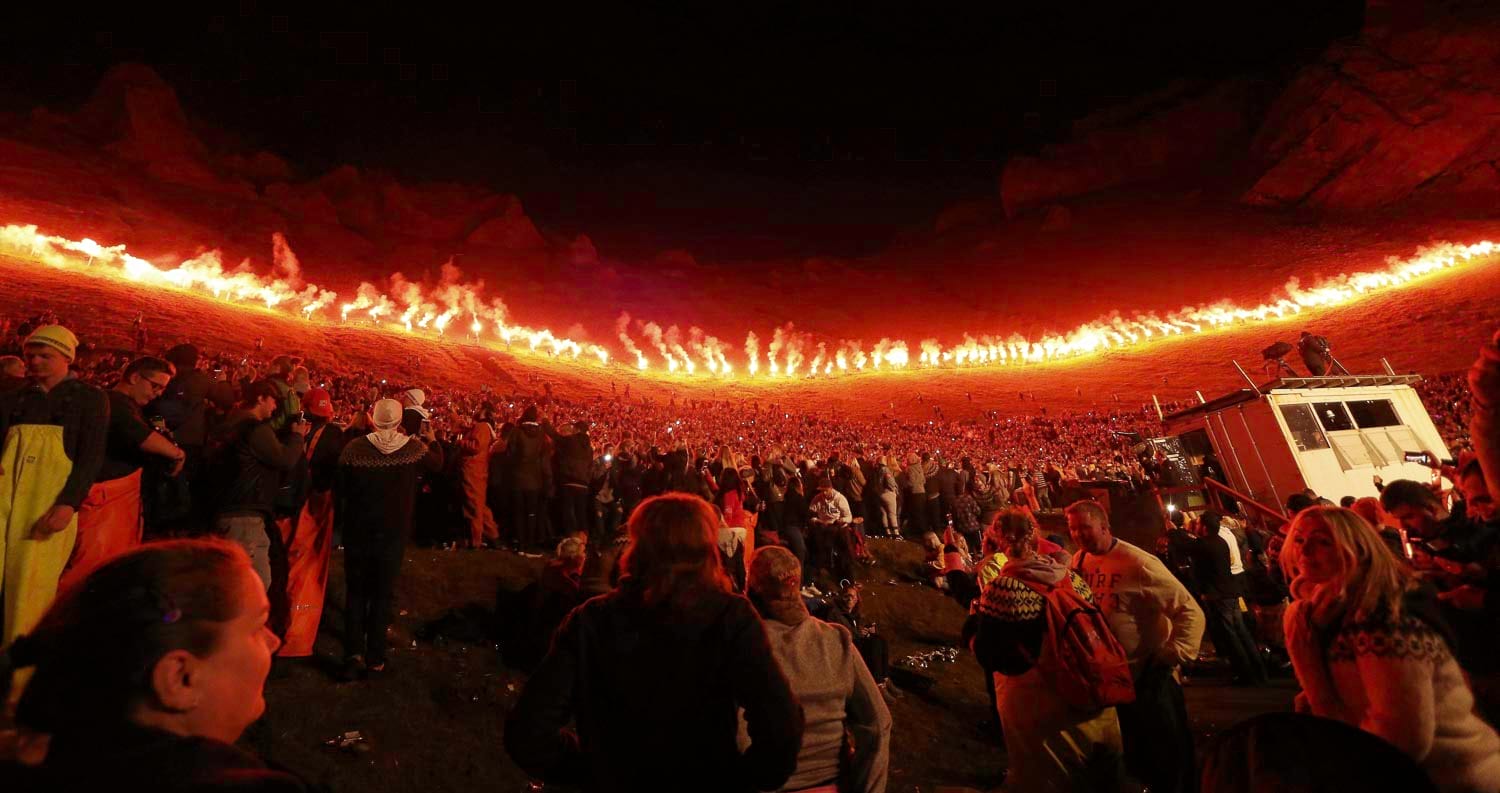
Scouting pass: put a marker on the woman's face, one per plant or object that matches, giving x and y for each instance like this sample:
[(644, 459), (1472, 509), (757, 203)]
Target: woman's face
[(1318, 559), (234, 675)]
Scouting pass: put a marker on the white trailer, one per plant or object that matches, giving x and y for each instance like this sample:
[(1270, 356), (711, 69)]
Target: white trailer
[(1331, 434)]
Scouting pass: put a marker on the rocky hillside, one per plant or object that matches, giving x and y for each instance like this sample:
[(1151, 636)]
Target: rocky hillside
[(1406, 114)]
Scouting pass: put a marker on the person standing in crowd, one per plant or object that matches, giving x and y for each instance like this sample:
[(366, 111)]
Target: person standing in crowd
[(287, 402), (1160, 626), (474, 476), (1221, 594), (310, 544), (1370, 650), (666, 659), (146, 676), (525, 446), (249, 462), (887, 495), (1049, 745), (376, 495), (916, 495), (109, 522), (829, 678), (573, 458), (53, 431), (186, 409)]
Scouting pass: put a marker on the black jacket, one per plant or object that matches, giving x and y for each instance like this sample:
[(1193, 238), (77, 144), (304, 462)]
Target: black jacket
[(526, 448), (139, 758), (249, 462), (81, 410), (574, 456), (653, 691), (1211, 568)]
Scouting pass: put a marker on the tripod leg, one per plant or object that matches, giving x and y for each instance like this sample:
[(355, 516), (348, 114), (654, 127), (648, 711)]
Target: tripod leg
[(1338, 367)]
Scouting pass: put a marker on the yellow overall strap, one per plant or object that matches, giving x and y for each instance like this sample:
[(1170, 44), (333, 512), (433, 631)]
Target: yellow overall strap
[(35, 467)]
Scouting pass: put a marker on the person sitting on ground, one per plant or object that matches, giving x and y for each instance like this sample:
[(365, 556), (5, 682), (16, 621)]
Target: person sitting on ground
[(1369, 649), (830, 679), (144, 677), (664, 660)]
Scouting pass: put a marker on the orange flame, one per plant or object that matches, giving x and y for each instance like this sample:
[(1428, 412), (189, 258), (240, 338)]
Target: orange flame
[(410, 306)]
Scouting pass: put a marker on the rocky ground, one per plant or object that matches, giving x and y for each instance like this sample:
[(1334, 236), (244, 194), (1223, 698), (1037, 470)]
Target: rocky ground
[(436, 722)]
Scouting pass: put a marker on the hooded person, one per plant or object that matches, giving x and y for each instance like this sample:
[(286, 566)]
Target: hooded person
[(573, 461), (830, 679), (309, 540), (376, 493), (52, 440), (413, 410), (475, 474), (526, 444)]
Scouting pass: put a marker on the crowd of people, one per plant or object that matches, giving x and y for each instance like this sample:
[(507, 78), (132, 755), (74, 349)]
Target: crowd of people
[(722, 541)]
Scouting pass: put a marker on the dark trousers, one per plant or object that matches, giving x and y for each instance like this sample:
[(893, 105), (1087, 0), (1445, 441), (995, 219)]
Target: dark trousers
[(371, 566), (575, 509), (935, 515), (1158, 739), (797, 544), (916, 513), (1231, 637), (773, 516), (832, 549), (530, 523)]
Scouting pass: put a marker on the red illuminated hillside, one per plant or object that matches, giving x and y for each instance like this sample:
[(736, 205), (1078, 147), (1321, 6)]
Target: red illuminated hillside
[(1431, 327)]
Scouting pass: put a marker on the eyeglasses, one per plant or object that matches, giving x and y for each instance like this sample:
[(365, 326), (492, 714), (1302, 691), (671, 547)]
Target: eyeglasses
[(158, 386)]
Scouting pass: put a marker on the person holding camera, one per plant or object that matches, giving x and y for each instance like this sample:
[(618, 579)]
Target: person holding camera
[(248, 461), (109, 521)]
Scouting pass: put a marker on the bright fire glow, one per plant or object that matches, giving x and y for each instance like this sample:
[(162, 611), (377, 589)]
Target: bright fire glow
[(410, 307)]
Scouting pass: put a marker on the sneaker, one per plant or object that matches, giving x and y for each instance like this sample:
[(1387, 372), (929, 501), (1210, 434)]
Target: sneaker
[(353, 669), (378, 668), (811, 591)]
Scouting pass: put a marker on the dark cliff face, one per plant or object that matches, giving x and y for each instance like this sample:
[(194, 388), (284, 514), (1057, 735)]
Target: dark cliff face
[(1407, 112)]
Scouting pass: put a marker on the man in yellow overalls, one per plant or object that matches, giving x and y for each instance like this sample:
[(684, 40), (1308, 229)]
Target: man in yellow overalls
[(52, 434)]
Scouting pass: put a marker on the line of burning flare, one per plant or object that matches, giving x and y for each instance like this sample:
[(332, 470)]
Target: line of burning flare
[(789, 353)]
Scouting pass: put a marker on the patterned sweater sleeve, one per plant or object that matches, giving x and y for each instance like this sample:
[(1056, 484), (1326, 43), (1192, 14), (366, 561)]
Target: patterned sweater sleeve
[(1010, 627), (1396, 665)]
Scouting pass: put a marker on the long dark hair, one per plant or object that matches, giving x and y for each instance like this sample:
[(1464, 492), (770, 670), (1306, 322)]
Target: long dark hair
[(95, 648), (674, 550), (729, 479)]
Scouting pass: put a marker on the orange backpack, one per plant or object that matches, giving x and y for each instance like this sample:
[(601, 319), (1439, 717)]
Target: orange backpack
[(1081, 657)]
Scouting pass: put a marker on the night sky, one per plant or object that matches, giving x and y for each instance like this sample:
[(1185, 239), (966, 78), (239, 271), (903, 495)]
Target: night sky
[(779, 131)]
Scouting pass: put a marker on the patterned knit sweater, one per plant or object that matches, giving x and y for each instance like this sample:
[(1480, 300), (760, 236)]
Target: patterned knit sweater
[(1397, 680), (1011, 624)]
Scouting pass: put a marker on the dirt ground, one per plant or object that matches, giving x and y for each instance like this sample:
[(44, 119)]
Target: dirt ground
[(435, 723)]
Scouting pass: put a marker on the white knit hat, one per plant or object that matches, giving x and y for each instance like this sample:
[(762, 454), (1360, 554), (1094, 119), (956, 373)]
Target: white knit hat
[(386, 414)]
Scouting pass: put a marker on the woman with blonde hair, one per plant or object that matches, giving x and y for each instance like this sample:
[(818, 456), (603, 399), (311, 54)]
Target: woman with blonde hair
[(1050, 746), (653, 673), (1369, 650)]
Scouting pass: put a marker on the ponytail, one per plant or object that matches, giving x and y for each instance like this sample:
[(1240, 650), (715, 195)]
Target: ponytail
[(94, 649)]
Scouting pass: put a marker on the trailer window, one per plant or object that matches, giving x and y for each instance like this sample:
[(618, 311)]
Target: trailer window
[(1334, 416), (1304, 427), (1374, 413)]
